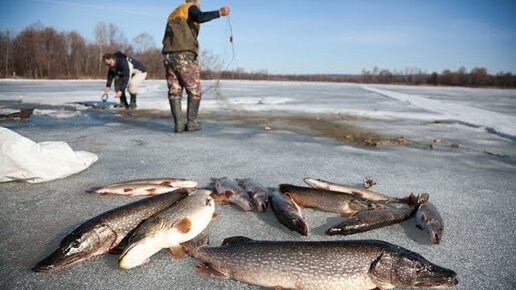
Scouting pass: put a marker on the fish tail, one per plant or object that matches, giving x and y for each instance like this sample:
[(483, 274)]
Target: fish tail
[(195, 243), (93, 189)]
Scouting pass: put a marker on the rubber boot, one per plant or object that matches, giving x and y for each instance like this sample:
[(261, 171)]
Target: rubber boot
[(177, 114), (123, 102), (132, 106), (191, 115)]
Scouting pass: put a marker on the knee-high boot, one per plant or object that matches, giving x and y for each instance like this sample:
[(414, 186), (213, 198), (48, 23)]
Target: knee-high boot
[(177, 114), (191, 113), (123, 102), (132, 106)]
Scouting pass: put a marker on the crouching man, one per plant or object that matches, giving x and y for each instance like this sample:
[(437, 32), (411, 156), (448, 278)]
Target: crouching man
[(128, 73)]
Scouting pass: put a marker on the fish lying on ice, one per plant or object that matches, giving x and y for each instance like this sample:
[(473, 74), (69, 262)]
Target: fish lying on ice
[(133, 189), (428, 219), (330, 201), (104, 232), (228, 190), (367, 194), (343, 265), (259, 194), (371, 219), (288, 212), (168, 228), (143, 186), (167, 181)]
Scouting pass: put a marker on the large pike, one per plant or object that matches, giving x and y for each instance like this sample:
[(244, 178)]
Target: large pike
[(258, 193), (229, 191), (288, 212), (343, 265), (329, 201), (428, 219), (143, 186), (104, 232), (168, 228), (362, 192)]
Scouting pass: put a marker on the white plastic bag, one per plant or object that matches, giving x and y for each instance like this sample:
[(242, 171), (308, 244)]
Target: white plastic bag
[(22, 159)]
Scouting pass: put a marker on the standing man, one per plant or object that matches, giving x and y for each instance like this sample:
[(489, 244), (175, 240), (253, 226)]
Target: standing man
[(128, 73), (180, 51)]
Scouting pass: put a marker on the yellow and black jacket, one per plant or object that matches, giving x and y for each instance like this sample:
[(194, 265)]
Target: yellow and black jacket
[(183, 28)]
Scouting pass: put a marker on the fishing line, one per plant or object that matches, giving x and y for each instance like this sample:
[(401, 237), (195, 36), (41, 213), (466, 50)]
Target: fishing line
[(216, 86)]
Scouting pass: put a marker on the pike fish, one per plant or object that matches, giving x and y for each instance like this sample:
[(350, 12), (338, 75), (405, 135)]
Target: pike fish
[(361, 192), (259, 194), (143, 186), (428, 219), (167, 229), (371, 219), (131, 190), (167, 181), (288, 212), (228, 190), (329, 201), (102, 233), (343, 265)]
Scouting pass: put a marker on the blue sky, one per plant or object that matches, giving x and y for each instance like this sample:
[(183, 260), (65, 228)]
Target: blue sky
[(308, 36)]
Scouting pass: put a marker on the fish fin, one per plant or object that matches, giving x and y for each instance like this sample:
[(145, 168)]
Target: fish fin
[(235, 240), (177, 252), (419, 227), (209, 271), (128, 189), (219, 197), (183, 225), (151, 191), (194, 244), (166, 183), (214, 216), (356, 193), (347, 214), (288, 195), (103, 193)]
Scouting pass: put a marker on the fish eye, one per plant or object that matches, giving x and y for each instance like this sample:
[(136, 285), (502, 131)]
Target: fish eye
[(76, 244)]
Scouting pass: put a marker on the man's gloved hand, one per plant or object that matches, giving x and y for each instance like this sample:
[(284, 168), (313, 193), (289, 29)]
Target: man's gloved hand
[(118, 94), (224, 11)]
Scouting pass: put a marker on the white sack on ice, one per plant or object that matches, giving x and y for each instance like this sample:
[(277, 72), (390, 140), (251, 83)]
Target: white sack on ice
[(23, 159)]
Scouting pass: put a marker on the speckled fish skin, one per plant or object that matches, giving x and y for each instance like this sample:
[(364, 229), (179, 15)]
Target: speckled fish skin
[(361, 192), (229, 190), (428, 219), (288, 212), (136, 189), (167, 228), (329, 201), (343, 265), (258, 193), (148, 186), (104, 232), (166, 181), (370, 220)]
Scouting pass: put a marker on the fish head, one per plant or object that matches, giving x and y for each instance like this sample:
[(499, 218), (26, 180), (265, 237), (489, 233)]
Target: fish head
[(405, 269), (74, 248)]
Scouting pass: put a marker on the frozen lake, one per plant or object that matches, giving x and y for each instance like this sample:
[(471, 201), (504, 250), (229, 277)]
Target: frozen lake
[(458, 145)]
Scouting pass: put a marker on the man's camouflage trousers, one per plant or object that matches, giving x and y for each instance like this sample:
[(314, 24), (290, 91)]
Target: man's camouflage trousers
[(183, 71)]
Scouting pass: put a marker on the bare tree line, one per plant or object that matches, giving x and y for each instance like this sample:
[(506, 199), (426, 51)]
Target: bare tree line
[(40, 52)]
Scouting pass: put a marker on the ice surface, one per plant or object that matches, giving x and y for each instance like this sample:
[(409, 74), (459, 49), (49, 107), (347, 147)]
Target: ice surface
[(473, 190)]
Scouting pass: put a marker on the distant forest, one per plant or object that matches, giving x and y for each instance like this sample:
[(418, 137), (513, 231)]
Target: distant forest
[(40, 52)]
